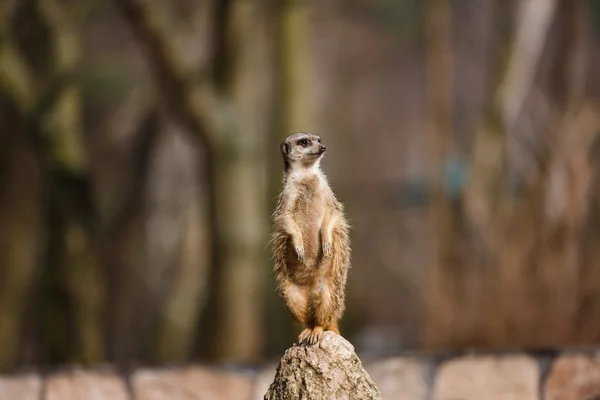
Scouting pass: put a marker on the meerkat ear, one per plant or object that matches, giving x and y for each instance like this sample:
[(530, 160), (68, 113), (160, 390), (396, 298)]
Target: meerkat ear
[(285, 148)]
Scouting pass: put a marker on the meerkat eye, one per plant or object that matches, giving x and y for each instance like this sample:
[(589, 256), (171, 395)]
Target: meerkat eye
[(303, 142), (319, 140)]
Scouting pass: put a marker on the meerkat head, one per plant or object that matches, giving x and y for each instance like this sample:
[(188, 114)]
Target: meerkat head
[(303, 150)]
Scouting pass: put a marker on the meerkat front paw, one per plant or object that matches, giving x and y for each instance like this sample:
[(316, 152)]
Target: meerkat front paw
[(327, 249), (298, 247), (300, 253)]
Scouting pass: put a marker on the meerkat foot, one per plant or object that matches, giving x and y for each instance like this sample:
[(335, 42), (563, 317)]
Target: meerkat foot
[(311, 336), (304, 335), (327, 250), (315, 335)]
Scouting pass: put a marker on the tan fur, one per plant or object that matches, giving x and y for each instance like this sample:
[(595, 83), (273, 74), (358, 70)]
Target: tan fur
[(310, 241)]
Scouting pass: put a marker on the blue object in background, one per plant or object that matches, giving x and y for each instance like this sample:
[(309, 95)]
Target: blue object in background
[(415, 193)]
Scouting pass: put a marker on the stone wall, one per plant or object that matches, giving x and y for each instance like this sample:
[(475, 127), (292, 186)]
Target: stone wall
[(566, 376)]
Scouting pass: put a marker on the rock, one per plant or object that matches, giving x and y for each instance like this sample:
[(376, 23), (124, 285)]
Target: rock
[(79, 385), (330, 370), (573, 377), (401, 378), (190, 383), (488, 377), (22, 387)]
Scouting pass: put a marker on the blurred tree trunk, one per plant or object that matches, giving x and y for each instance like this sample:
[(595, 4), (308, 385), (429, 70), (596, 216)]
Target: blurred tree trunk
[(21, 177), (132, 304), (71, 300), (20, 237), (228, 116), (188, 292), (487, 202), (240, 187), (187, 296), (587, 325), (40, 65), (489, 199), (83, 279), (569, 177), (299, 103), (486, 195), (545, 223), (443, 277)]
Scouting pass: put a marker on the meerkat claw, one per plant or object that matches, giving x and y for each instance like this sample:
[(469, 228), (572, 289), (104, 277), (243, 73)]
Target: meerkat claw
[(300, 252), (303, 337), (327, 250), (315, 336)]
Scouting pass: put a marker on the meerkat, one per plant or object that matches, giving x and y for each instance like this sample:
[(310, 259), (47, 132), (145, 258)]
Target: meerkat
[(310, 240)]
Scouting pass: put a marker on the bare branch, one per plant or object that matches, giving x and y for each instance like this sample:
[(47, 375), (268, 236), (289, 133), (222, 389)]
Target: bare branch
[(63, 119), (578, 53), (194, 102), (486, 194), (532, 31), (15, 78)]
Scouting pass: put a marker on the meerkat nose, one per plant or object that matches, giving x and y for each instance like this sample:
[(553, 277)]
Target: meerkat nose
[(323, 148)]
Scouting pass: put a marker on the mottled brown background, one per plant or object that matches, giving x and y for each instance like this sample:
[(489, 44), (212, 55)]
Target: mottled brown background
[(139, 166)]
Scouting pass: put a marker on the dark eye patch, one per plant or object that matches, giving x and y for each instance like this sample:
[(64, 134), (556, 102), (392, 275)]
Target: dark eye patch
[(303, 142)]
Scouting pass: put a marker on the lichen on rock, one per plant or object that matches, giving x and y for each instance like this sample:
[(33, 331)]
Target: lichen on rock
[(329, 370)]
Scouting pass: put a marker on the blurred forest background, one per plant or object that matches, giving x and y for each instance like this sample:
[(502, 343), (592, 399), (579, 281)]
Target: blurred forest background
[(139, 166)]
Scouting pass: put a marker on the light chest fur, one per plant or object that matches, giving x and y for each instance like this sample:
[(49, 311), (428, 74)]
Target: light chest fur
[(307, 202)]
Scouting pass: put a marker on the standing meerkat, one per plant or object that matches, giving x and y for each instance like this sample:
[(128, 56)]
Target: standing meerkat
[(311, 243)]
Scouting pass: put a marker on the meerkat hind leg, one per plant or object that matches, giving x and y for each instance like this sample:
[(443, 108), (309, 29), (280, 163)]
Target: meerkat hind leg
[(322, 304), (333, 327), (296, 300)]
